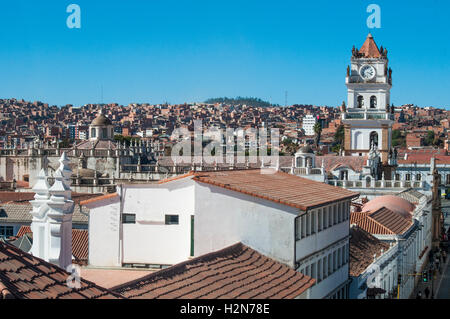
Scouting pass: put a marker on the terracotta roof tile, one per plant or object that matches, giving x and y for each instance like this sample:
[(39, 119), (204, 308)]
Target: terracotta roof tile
[(370, 48), (363, 246), (235, 272), (99, 198), (381, 222), (275, 186), (80, 242), (24, 280)]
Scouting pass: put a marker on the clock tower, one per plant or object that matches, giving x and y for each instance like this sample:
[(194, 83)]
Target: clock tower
[(368, 118)]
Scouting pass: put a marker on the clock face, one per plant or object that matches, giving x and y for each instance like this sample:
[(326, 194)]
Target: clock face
[(367, 72)]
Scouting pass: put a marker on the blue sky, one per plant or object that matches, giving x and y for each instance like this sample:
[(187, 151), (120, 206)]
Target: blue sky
[(183, 51)]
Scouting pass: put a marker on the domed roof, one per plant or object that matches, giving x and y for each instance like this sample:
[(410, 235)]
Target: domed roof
[(306, 149), (101, 120), (393, 203)]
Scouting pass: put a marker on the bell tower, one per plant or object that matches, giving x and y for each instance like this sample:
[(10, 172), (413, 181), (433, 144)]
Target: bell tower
[(368, 118)]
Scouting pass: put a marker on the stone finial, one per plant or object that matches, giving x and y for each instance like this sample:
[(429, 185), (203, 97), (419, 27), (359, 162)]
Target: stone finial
[(41, 188)]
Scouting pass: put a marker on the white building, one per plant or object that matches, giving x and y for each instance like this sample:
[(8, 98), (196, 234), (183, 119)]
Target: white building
[(308, 124), (300, 223), (403, 221), (368, 119)]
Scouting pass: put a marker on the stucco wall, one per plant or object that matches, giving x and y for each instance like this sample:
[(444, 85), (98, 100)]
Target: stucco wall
[(224, 217)]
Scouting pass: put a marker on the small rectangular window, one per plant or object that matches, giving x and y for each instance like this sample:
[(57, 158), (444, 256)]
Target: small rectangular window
[(313, 222), (319, 220), (308, 224), (129, 219), (172, 220), (319, 270), (303, 226)]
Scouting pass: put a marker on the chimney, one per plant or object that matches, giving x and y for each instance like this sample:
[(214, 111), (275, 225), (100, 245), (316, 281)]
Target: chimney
[(52, 217)]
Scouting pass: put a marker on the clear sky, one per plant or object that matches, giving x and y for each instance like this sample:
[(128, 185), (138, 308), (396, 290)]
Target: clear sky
[(184, 51)]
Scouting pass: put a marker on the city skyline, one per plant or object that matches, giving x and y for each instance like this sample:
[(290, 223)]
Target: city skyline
[(153, 52)]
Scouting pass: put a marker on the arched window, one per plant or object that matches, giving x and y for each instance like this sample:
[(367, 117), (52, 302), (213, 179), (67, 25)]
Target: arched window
[(373, 102), (374, 138), (418, 177), (360, 101)]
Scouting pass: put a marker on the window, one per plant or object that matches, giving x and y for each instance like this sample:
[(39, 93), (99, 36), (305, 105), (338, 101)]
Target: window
[(313, 222), (325, 218), (418, 177), (319, 270), (313, 271), (335, 266), (308, 224), (335, 209), (330, 264), (104, 133), (172, 220), (340, 213), (397, 177), (360, 102), (307, 271), (343, 255), (325, 272), (93, 132), (319, 220), (129, 219), (6, 231), (408, 177), (303, 225), (373, 139), (298, 228), (373, 102), (339, 260)]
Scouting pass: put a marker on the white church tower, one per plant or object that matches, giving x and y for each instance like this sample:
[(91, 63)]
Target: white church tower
[(368, 118), (52, 217)]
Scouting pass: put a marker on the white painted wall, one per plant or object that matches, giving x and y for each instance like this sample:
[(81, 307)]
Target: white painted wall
[(104, 232), (224, 217), (150, 241)]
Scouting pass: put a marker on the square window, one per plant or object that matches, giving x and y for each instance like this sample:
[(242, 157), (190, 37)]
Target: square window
[(172, 220), (129, 219)]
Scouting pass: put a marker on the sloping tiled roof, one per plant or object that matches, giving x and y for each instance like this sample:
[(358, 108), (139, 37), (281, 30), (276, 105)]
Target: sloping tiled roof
[(24, 276), (99, 198), (97, 144), (381, 222), (391, 220), (417, 158), (411, 195), (330, 163), (236, 272), (276, 186), (370, 48), (363, 247), (20, 213), (24, 197), (80, 242)]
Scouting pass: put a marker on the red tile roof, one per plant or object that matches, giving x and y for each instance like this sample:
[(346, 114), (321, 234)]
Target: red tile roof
[(276, 186), (381, 222), (417, 158), (370, 48), (236, 272), (24, 197), (24, 276), (80, 242), (99, 198), (330, 163), (363, 246)]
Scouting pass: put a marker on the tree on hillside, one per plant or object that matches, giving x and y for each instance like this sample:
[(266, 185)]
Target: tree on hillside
[(318, 132)]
